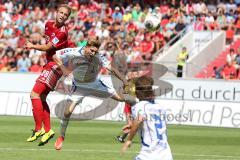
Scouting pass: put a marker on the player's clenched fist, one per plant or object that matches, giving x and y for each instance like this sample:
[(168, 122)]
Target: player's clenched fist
[(28, 45)]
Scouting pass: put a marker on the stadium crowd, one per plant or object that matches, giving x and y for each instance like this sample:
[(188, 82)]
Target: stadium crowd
[(119, 25)]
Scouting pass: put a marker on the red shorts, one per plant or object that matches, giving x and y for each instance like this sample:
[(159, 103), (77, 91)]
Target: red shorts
[(50, 75), (127, 109)]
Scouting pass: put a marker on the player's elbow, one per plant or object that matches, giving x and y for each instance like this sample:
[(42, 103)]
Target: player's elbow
[(48, 47), (56, 59)]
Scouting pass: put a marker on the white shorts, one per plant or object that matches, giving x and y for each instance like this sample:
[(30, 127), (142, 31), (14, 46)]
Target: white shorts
[(157, 154), (99, 88)]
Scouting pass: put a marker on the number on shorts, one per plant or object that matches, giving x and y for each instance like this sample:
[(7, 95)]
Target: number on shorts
[(45, 73)]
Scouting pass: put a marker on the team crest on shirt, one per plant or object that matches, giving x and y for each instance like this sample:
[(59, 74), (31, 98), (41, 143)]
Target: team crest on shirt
[(55, 40)]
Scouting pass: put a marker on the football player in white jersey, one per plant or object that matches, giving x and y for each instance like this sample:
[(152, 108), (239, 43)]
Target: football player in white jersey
[(149, 120), (85, 64)]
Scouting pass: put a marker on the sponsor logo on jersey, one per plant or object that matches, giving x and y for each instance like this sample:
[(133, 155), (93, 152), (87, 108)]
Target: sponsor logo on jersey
[(55, 40)]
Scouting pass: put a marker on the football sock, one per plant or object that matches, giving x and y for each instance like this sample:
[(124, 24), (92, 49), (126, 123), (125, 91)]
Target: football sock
[(46, 117), (63, 127), (37, 110)]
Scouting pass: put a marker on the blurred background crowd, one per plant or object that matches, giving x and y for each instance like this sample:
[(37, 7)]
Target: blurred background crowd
[(119, 25)]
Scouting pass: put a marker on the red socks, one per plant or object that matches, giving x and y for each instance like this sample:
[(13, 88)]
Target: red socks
[(41, 112), (46, 117), (37, 110)]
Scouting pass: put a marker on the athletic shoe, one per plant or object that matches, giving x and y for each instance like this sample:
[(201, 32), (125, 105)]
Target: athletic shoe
[(46, 137), (35, 135), (59, 143), (120, 139)]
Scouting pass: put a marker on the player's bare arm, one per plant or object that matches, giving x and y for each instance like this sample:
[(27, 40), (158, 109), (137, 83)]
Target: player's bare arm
[(59, 62), (117, 74), (136, 124), (40, 47)]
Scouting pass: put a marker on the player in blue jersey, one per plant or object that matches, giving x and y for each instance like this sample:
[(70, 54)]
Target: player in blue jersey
[(149, 119)]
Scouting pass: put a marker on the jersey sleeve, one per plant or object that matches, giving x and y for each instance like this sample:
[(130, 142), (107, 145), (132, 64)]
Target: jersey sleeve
[(104, 61), (59, 40), (138, 110), (67, 53)]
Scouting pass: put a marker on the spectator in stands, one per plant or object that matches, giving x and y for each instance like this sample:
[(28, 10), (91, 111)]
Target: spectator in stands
[(181, 61), (147, 48), (229, 71), (10, 59), (23, 63), (231, 6), (35, 67), (221, 19), (117, 15), (230, 34), (237, 63), (119, 60), (200, 8), (217, 72), (231, 56), (237, 23)]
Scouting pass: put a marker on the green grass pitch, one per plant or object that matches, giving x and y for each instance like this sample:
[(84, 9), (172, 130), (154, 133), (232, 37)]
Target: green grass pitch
[(94, 140)]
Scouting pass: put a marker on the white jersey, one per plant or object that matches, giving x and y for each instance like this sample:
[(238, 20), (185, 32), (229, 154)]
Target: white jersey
[(83, 69), (153, 132)]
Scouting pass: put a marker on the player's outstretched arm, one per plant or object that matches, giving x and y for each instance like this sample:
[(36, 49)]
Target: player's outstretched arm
[(117, 74), (136, 124), (40, 47)]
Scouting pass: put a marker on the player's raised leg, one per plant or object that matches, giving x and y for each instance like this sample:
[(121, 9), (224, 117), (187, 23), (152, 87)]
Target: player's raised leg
[(64, 123)]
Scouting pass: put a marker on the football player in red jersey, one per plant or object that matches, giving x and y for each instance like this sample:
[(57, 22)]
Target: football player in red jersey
[(56, 35)]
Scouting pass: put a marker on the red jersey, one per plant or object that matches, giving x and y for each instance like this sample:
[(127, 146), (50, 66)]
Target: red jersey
[(57, 36)]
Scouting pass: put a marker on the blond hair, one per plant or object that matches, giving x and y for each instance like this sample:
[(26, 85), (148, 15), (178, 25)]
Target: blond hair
[(65, 6)]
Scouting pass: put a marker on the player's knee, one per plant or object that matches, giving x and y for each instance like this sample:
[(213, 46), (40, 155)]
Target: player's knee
[(43, 97), (67, 114)]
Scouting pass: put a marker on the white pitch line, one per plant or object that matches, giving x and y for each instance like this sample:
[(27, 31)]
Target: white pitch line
[(114, 151)]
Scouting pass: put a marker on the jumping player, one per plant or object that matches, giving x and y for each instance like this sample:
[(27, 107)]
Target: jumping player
[(149, 119), (56, 35), (85, 63)]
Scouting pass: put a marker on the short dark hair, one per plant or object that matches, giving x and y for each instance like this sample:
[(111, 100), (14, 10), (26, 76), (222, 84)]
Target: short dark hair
[(65, 6), (232, 50), (144, 88)]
